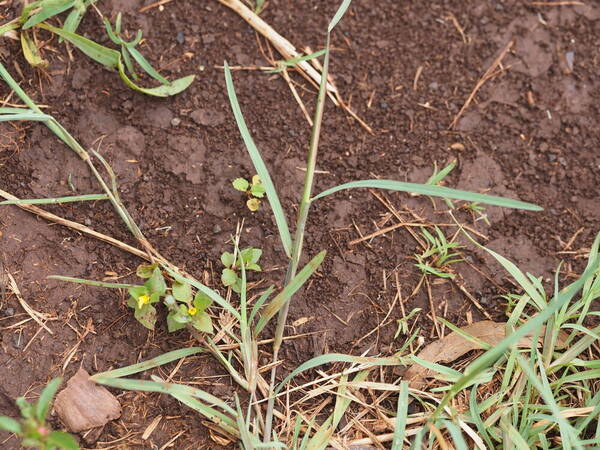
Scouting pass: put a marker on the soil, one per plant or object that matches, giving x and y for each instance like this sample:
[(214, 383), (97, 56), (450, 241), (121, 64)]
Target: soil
[(532, 133)]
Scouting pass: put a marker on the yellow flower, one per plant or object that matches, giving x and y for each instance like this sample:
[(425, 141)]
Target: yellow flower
[(192, 311), (143, 300)]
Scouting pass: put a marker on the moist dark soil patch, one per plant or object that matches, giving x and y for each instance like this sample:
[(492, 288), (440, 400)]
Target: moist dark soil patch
[(532, 133)]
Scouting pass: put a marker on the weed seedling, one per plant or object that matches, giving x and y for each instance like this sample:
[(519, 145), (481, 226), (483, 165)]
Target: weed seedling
[(254, 190), (477, 210), (229, 275), (32, 428), (438, 256)]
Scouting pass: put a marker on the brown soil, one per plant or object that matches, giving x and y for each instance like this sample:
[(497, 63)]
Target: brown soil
[(532, 133)]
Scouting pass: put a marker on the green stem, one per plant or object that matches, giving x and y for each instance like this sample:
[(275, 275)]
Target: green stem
[(299, 234)]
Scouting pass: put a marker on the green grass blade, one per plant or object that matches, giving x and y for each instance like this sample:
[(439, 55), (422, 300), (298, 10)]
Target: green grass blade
[(281, 299), (149, 364), (338, 15), (52, 201), (401, 416), (28, 116), (46, 13), (432, 191), (103, 55), (263, 298), (339, 357), (259, 166), (91, 282), (439, 176), (144, 64), (43, 404), (457, 436), (185, 394)]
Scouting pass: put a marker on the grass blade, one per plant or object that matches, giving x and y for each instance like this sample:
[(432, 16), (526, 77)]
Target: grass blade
[(432, 191), (149, 364), (91, 282), (401, 416), (339, 357), (144, 64), (43, 404), (259, 166), (46, 13), (338, 15), (52, 201), (281, 299)]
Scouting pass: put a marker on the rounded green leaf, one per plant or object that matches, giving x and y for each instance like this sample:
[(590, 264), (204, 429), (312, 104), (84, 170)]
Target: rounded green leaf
[(145, 270), (227, 259), (182, 292), (253, 204), (173, 324), (203, 322), (156, 283), (228, 277), (202, 301), (251, 255), (240, 184)]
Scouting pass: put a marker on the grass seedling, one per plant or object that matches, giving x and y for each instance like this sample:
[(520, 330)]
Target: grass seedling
[(32, 428), (253, 189), (129, 50), (439, 255), (34, 16)]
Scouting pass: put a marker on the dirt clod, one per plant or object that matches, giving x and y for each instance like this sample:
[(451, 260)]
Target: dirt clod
[(83, 405)]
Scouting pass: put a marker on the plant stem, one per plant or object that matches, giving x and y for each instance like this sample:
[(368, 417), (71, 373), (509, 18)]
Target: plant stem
[(299, 234)]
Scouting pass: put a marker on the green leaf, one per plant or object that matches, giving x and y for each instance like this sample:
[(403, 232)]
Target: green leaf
[(58, 200), (280, 299), (145, 270), (62, 440), (112, 58), (147, 365), (338, 15), (401, 416), (251, 255), (146, 315), (31, 52), (172, 324), (103, 55), (156, 283), (202, 301), (46, 13), (432, 191), (258, 190), (144, 64), (227, 259), (182, 292), (254, 267), (259, 165), (338, 357), (10, 425), (202, 322), (43, 403), (228, 277)]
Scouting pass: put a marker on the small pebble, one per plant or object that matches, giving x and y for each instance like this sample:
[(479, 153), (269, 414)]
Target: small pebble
[(9, 312), (433, 85), (175, 121), (217, 228), (570, 57), (180, 37), (87, 222)]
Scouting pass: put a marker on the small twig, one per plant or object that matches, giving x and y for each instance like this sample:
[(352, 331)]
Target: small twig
[(489, 73)]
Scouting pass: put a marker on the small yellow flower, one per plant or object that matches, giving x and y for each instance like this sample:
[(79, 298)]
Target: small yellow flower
[(143, 300), (192, 311)]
